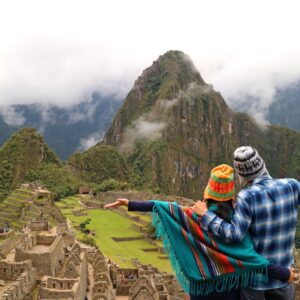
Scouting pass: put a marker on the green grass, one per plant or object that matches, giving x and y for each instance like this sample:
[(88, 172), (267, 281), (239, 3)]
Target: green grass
[(108, 224)]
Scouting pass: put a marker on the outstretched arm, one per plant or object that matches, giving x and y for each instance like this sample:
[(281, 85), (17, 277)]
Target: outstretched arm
[(145, 206), (119, 202)]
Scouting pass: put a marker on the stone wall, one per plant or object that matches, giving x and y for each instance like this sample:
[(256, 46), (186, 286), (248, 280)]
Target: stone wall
[(68, 238), (57, 215), (92, 204), (46, 240), (127, 239), (47, 293), (10, 244), (61, 227), (38, 225), (12, 270), (60, 284)]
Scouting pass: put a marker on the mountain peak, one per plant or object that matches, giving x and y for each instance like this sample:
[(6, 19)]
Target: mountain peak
[(24, 151), (171, 75), (174, 67)]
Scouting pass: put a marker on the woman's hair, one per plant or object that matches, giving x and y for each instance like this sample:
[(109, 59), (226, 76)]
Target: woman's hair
[(223, 209)]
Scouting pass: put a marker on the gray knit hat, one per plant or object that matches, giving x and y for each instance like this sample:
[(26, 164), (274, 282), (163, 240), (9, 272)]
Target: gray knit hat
[(248, 164)]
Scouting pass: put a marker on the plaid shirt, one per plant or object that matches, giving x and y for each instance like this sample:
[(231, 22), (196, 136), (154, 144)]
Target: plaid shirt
[(268, 210)]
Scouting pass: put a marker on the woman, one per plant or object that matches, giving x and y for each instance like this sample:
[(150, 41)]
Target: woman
[(206, 266)]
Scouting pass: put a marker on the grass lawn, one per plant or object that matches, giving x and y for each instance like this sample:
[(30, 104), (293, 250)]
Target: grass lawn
[(108, 224)]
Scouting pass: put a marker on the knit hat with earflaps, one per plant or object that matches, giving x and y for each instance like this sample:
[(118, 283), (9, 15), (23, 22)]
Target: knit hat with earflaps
[(248, 164), (220, 186)]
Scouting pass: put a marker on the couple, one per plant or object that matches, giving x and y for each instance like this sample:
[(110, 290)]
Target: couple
[(221, 251)]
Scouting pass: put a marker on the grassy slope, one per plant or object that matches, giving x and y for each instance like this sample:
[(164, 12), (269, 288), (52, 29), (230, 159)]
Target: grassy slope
[(108, 224)]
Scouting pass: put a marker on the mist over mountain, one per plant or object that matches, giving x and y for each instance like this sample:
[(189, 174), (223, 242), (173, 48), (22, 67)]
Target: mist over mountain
[(283, 109), (66, 130)]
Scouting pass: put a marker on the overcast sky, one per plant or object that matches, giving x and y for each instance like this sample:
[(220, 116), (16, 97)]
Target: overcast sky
[(61, 51)]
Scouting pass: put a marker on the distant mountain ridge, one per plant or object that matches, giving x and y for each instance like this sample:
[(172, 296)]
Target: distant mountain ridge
[(66, 130), (170, 131)]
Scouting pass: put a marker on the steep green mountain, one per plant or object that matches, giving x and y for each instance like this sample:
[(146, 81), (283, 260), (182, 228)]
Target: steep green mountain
[(173, 128), (68, 129), (25, 158), (24, 151), (99, 163)]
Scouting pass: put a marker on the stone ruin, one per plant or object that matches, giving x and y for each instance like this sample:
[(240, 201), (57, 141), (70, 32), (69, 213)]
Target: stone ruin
[(145, 282), (72, 279), (49, 262), (100, 275), (18, 279), (55, 266)]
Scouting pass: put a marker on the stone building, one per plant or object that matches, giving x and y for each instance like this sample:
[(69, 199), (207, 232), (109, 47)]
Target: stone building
[(18, 279), (102, 287), (143, 289), (72, 280), (45, 252)]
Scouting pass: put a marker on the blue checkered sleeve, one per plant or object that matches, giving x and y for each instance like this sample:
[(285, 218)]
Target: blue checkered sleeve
[(234, 231)]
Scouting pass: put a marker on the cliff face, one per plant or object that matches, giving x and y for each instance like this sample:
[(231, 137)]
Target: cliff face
[(173, 128)]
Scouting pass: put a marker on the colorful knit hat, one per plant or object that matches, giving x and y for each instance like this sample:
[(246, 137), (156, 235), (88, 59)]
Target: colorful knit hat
[(220, 186), (248, 164)]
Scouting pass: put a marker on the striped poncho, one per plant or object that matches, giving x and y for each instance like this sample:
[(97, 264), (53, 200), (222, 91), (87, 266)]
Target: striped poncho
[(204, 263)]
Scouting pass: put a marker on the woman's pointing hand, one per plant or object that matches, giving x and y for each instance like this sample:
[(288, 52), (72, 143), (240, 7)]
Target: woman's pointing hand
[(119, 202)]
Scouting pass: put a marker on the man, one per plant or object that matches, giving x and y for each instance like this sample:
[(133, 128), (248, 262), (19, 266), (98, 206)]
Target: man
[(266, 207)]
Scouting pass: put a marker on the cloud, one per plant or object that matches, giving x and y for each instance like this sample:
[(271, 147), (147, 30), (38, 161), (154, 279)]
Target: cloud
[(11, 116), (142, 128), (82, 112), (252, 79), (90, 141), (59, 52)]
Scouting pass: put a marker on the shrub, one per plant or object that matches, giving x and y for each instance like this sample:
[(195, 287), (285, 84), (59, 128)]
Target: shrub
[(89, 240)]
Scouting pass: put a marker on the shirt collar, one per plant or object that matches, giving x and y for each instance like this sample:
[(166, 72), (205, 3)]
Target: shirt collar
[(261, 179)]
